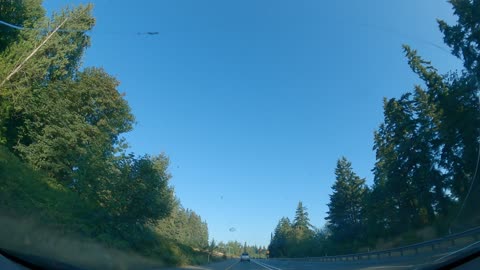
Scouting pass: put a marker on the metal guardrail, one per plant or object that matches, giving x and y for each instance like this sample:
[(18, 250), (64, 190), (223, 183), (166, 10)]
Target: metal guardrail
[(409, 250)]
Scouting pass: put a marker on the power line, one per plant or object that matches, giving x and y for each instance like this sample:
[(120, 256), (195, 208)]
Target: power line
[(11, 25), (33, 52), (17, 27), (395, 32)]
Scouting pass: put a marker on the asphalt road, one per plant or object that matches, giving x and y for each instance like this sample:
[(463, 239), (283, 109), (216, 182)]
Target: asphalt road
[(298, 265), (426, 261), (286, 265), (302, 265)]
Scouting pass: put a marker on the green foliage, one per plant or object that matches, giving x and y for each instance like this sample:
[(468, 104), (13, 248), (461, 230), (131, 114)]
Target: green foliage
[(464, 38), (426, 155), (28, 192), (139, 193), (76, 129), (62, 154), (279, 244), (346, 215), (25, 191), (427, 146), (184, 226), (22, 12), (292, 239), (301, 221), (405, 163), (235, 248), (212, 246)]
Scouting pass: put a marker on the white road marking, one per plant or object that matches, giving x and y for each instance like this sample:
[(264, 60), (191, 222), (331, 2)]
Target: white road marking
[(269, 267), (390, 266), (233, 264), (453, 252)]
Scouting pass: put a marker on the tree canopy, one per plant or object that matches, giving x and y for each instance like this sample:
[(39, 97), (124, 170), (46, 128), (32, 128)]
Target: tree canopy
[(427, 151), (67, 121)]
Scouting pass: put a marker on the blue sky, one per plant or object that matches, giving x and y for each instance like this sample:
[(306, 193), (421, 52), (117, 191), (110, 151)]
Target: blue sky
[(255, 100)]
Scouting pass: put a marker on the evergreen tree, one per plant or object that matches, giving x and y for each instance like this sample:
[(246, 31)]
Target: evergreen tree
[(212, 246), (301, 221), (279, 244), (427, 147), (346, 206), (463, 38), (460, 106)]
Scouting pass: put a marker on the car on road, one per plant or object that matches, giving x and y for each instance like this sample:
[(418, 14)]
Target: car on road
[(244, 257)]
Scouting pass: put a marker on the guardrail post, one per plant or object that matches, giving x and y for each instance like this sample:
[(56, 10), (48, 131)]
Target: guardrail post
[(416, 251), (401, 252), (433, 246), (389, 254), (378, 255), (453, 242)]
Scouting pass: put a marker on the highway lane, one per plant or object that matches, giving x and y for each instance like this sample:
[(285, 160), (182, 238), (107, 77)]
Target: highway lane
[(395, 263), (363, 265), (299, 265), (233, 264)]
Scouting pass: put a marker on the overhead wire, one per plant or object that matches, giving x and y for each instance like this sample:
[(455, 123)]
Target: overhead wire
[(18, 27), (49, 35)]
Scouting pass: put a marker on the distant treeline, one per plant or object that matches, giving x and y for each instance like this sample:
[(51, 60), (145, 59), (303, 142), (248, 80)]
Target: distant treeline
[(235, 248), (65, 122), (426, 173)]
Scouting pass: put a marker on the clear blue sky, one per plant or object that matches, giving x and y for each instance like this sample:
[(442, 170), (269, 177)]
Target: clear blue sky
[(255, 100)]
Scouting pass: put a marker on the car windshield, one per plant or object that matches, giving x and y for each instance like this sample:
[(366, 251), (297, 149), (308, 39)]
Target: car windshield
[(302, 134)]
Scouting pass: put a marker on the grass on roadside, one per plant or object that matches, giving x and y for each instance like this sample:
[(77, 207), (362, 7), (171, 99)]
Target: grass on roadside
[(44, 218)]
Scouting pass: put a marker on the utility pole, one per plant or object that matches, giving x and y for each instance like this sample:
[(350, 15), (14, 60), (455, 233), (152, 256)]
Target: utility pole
[(33, 52)]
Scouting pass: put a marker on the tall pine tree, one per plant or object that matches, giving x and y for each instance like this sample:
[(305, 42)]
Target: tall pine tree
[(347, 205)]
